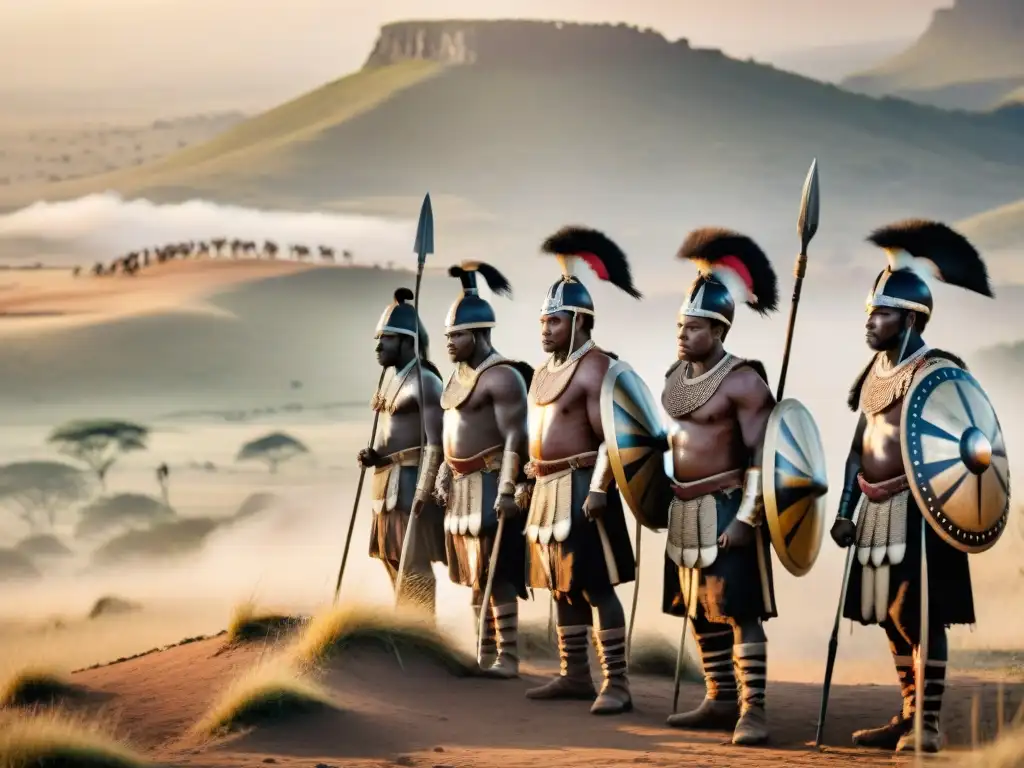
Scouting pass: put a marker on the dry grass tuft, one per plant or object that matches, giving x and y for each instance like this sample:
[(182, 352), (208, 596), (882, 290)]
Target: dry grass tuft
[(51, 740), (270, 692), (37, 686), (248, 623), (345, 626)]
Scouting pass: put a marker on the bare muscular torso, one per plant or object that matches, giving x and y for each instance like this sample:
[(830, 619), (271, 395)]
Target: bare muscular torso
[(400, 430), (571, 425), (715, 437), (474, 426), (881, 451)]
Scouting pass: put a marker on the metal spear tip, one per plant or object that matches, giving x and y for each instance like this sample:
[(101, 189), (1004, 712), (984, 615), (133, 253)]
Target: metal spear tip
[(807, 224), (425, 231)]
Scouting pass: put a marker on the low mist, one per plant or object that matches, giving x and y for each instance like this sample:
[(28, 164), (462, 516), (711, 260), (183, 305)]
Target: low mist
[(107, 224)]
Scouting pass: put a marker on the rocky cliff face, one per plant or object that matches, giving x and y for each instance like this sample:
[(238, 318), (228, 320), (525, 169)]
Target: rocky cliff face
[(970, 42), (456, 42)]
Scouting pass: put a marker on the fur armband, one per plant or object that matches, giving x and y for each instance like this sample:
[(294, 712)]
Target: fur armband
[(510, 466), (443, 484), (751, 509), (602, 477), (429, 465)]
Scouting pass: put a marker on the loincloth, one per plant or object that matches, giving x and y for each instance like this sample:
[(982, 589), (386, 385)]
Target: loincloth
[(384, 487), (465, 507), (882, 521), (693, 519), (551, 511)]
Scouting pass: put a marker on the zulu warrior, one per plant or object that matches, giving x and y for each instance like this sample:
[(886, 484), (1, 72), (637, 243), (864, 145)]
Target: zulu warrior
[(403, 477), (884, 581), (485, 409), (718, 560), (577, 542)]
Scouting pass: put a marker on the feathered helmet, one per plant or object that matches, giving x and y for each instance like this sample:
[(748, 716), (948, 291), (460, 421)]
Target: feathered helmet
[(572, 245), (920, 251), (470, 310), (731, 269), (400, 317)]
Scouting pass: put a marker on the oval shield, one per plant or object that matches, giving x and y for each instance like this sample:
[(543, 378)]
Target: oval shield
[(636, 442), (955, 458), (794, 484)]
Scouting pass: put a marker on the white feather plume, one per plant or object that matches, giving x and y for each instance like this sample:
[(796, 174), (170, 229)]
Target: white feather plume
[(923, 268), (733, 283)]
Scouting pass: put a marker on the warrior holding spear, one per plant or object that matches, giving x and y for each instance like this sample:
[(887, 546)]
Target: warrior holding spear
[(485, 411), (404, 475), (928, 473), (577, 542)]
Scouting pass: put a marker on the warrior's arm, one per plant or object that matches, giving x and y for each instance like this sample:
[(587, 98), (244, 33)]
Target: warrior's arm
[(508, 394), (754, 403), (602, 477), (851, 488), (433, 418)]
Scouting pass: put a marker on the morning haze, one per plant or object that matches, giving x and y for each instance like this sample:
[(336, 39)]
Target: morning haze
[(206, 206)]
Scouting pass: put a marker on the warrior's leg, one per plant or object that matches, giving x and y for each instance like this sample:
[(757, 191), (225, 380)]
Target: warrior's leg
[(720, 708), (574, 680), (505, 620), (889, 735), (614, 696), (489, 645), (750, 654), (934, 688), (419, 588)]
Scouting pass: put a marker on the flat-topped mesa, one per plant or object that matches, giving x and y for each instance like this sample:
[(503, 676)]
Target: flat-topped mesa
[(473, 41)]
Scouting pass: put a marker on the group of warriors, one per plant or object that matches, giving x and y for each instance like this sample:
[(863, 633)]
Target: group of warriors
[(555, 451)]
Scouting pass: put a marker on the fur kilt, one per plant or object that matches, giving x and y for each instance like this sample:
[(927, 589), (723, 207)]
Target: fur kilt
[(393, 488), (471, 500), (738, 585), (564, 551)]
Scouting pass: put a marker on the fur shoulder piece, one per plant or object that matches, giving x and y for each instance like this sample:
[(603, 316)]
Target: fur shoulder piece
[(758, 367), (941, 354), (672, 368), (853, 400)]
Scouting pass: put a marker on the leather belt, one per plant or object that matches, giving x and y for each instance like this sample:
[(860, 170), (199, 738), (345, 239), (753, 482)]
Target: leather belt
[(723, 481), (539, 468), (884, 490), (487, 460)]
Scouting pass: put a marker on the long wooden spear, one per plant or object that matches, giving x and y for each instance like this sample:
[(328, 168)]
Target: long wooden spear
[(424, 245)]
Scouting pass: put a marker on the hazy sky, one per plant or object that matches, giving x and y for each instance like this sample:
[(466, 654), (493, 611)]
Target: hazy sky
[(130, 43)]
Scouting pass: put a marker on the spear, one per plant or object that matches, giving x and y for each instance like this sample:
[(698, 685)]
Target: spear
[(424, 245), (807, 225), (359, 492)]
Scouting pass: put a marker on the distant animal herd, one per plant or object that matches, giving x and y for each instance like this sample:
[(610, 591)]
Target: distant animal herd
[(220, 247)]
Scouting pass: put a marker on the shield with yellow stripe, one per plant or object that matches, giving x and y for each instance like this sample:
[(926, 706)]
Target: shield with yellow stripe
[(794, 484), (636, 441)]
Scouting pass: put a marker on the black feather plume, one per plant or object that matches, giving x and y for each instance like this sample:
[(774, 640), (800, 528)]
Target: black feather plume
[(708, 245), (599, 252), (496, 281), (404, 294), (957, 261)]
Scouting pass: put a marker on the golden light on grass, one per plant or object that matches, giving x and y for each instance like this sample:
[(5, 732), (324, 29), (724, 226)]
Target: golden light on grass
[(52, 740), (33, 686), (248, 623), (272, 691), (336, 629)]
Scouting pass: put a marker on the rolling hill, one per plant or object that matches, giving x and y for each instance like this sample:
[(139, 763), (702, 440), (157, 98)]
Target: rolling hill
[(970, 57), (642, 136)]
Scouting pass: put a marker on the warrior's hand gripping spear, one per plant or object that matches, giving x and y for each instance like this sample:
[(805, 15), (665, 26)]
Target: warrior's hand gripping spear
[(424, 245)]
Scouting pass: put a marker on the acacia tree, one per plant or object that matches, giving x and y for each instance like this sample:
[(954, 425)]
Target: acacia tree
[(125, 511), (38, 490), (272, 450), (99, 442)]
